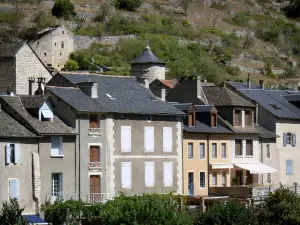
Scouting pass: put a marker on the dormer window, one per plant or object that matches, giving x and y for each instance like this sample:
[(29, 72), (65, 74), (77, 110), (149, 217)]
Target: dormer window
[(192, 119), (46, 112), (248, 118), (213, 120), (237, 118)]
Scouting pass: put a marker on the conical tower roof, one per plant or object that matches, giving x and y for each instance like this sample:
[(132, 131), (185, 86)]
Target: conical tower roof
[(147, 57)]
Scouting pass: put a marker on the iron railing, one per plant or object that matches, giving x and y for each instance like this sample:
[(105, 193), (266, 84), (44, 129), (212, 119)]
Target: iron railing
[(95, 131), (97, 197)]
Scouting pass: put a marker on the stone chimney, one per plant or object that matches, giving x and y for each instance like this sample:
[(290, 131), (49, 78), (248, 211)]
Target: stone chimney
[(199, 87), (89, 88), (31, 80), (41, 83), (262, 84), (163, 94)]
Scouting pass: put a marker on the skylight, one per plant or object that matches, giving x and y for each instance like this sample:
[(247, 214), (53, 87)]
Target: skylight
[(275, 107)]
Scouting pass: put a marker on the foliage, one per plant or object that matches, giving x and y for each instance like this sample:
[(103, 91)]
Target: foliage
[(43, 20), (11, 213), (293, 9), (103, 12), (94, 31), (71, 65), (12, 18), (63, 8), (130, 5), (290, 72)]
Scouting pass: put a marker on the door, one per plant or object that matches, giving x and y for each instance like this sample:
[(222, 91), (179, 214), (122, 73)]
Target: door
[(239, 177), (95, 190), (249, 178), (190, 183)]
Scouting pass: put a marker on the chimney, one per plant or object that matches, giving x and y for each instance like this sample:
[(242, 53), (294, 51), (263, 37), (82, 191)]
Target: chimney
[(146, 83), (31, 80), (262, 84), (163, 94), (248, 81), (41, 82), (199, 88), (89, 88)]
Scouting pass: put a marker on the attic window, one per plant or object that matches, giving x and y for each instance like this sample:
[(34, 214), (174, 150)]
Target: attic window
[(191, 119), (275, 107), (213, 120), (47, 115)]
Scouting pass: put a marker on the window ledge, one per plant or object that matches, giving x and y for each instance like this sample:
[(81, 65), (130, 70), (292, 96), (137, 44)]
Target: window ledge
[(57, 156), (238, 156), (249, 156)]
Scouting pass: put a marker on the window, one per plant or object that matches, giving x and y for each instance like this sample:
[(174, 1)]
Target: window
[(13, 188), (55, 44), (224, 155), (214, 178), (238, 148), (62, 44), (149, 139), (56, 185), (268, 151), (214, 151), (56, 146), (126, 175), (202, 179), (202, 150), (249, 147), (95, 186), (167, 139), (192, 120), (168, 174), (269, 178), (190, 150), (289, 139), (60, 53), (149, 174), (93, 120), (237, 118), (191, 183), (224, 179), (94, 154), (289, 167), (63, 32), (248, 118), (12, 152), (45, 54), (125, 138), (214, 120)]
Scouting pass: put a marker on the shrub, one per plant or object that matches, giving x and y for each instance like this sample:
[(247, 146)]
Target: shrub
[(290, 73), (12, 18), (11, 213), (43, 20), (71, 65), (270, 35), (242, 19), (130, 5), (63, 8)]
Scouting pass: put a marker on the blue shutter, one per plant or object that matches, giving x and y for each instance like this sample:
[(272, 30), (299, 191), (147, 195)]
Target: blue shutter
[(289, 167), (284, 139)]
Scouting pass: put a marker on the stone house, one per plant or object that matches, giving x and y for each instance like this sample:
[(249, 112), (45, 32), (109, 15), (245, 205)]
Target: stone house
[(19, 69), (130, 140), (53, 46)]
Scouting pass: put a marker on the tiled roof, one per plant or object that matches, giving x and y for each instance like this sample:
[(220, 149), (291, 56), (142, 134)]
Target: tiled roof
[(115, 94), (10, 49), (147, 57)]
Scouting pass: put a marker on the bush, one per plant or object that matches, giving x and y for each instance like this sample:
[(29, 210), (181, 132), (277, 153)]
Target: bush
[(43, 20), (11, 213), (290, 73), (63, 8), (130, 5), (270, 35), (71, 65)]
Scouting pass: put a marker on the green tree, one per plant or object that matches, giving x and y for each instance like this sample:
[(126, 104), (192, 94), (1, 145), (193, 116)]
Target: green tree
[(11, 213), (130, 5), (63, 8), (71, 65)]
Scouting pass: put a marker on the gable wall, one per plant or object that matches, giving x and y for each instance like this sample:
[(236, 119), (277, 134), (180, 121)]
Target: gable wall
[(7, 74)]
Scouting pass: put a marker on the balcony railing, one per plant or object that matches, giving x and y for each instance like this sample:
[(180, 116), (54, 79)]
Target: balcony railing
[(95, 165), (97, 197), (95, 131)]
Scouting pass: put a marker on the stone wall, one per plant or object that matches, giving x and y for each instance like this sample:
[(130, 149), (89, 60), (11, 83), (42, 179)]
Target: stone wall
[(148, 71), (7, 75)]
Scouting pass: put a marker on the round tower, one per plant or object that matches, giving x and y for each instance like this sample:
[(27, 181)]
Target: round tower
[(147, 67)]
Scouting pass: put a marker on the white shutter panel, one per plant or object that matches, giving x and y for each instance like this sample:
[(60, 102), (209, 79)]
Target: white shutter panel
[(126, 139), (167, 139), (13, 189), (17, 154), (60, 145), (18, 189), (7, 152), (126, 175), (284, 139), (168, 174), (149, 174), (149, 139)]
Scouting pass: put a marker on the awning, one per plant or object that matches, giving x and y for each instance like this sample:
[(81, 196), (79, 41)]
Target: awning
[(221, 165), (34, 219), (256, 167), (47, 114)]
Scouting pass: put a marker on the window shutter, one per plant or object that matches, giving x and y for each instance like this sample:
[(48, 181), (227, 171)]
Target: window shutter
[(168, 174), (55, 145), (149, 138), (126, 175), (7, 151), (167, 139), (17, 154), (126, 139), (293, 139), (284, 139), (13, 189), (149, 174), (60, 145), (60, 184)]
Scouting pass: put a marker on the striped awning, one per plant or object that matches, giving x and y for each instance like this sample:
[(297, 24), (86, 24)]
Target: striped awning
[(221, 165)]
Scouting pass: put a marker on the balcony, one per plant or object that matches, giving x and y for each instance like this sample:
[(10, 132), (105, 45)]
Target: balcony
[(94, 198), (95, 131), (95, 165)]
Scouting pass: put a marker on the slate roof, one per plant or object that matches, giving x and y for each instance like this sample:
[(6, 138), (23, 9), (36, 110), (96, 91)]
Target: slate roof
[(33, 101), (222, 96), (264, 133), (147, 57), (274, 101), (41, 127), (240, 130), (9, 127), (115, 95), (10, 49)]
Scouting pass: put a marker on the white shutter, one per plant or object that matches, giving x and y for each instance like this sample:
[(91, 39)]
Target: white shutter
[(13, 189), (149, 174), (126, 175), (17, 154), (149, 139), (126, 139), (167, 139), (60, 145), (168, 174), (7, 153)]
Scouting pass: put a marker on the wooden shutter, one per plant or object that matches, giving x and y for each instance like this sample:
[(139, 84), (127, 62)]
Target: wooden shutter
[(293, 139), (95, 184), (94, 154), (149, 139), (17, 154), (55, 145), (126, 175), (126, 139), (191, 119), (248, 119), (284, 139), (213, 120), (93, 121), (168, 174), (237, 117), (249, 147), (167, 139), (149, 174), (238, 147), (7, 153)]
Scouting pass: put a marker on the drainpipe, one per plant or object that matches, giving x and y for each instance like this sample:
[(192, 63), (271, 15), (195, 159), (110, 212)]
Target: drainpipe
[(261, 157), (79, 137), (208, 157), (182, 167)]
